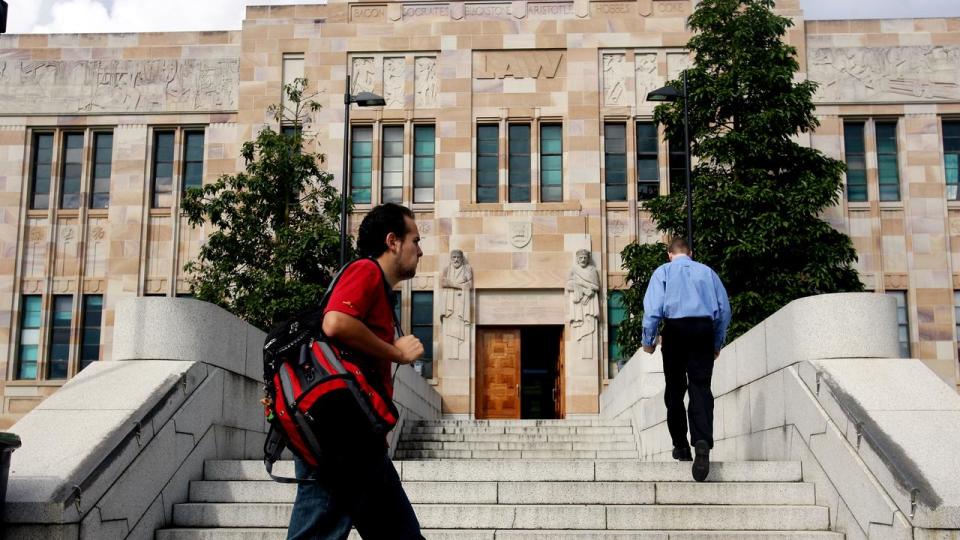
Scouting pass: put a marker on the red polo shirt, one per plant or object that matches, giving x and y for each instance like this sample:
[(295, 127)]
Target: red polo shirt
[(360, 293)]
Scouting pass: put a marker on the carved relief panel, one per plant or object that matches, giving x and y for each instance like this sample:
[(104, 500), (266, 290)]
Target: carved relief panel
[(614, 79), (921, 73), (35, 254), (362, 75), (67, 254), (97, 86), (425, 84), (95, 264), (159, 248), (676, 63), (394, 80)]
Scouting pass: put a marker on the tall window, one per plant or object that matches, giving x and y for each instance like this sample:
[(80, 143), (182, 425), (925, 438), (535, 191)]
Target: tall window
[(391, 189), (192, 160), (72, 170), (888, 171), (616, 313), (102, 165), (903, 326), (551, 163), (956, 317), (951, 158), (855, 153), (615, 161), (424, 163), (29, 348), (422, 326), (488, 162), (648, 169), (60, 337), (41, 171), (518, 171), (361, 164), (91, 319), (162, 192)]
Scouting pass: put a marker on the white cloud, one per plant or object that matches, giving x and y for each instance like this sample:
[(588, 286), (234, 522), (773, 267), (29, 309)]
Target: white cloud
[(879, 9), (22, 15), (72, 16)]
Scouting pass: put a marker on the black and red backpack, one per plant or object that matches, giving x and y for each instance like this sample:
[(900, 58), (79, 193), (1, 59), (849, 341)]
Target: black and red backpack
[(320, 399)]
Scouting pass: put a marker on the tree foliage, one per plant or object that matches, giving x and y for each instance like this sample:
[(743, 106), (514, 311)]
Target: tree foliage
[(276, 243), (758, 194)]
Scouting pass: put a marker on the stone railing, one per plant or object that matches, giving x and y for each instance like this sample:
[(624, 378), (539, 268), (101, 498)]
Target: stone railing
[(110, 453), (819, 382)]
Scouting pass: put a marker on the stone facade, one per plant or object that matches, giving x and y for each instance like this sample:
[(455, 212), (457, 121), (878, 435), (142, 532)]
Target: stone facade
[(453, 65)]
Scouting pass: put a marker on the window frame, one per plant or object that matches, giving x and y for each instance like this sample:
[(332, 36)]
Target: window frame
[(651, 155), (519, 170), (428, 347), (353, 160), (544, 125), (417, 128), (384, 156), (608, 185), (34, 169), (487, 155)]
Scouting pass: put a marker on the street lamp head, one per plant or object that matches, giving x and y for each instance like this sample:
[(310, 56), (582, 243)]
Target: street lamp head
[(667, 93), (369, 99)]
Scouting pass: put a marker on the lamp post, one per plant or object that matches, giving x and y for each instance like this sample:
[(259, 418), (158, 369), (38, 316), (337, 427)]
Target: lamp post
[(362, 99), (669, 93)]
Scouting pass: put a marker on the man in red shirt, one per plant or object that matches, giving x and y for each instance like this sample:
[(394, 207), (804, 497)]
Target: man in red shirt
[(361, 487)]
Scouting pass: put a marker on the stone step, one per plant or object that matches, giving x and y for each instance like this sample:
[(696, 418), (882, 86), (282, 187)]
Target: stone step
[(516, 437), (613, 517), (540, 430), (515, 454), (515, 445), (538, 471), (455, 534), (609, 493), (574, 422)]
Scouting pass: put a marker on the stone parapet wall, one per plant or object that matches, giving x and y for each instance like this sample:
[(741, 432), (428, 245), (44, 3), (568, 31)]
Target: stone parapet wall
[(818, 382)]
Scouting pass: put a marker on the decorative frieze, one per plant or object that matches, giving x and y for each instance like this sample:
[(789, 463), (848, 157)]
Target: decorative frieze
[(857, 74), (105, 86)]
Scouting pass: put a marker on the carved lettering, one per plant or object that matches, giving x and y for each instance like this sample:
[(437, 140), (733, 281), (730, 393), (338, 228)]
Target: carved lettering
[(97, 86), (611, 8), (671, 7), (414, 11), (518, 64), (367, 13), (553, 9), (487, 10)]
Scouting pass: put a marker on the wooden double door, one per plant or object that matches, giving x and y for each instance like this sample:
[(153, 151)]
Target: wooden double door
[(520, 372)]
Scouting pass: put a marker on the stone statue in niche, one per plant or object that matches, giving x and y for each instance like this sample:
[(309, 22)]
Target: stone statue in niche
[(583, 284), (456, 282), (425, 83)]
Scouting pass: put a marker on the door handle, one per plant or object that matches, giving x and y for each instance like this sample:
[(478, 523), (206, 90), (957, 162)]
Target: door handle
[(518, 390), (554, 393)]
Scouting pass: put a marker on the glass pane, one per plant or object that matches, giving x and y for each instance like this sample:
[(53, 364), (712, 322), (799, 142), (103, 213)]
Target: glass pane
[(361, 165), (164, 171), (363, 134), (952, 164), (486, 194), (647, 190), (490, 147), (393, 148), (853, 137), (519, 166), (100, 200), (887, 138), (392, 194), (362, 149), (31, 309), (614, 132), (551, 163), (551, 178), (360, 179), (519, 194), (616, 162), (519, 136), (164, 146), (951, 129), (616, 193), (393, 164), (193, 175), (392, 179), (425, 333), (857, 193), (194, 146), (647, 169), (616, 176), (101, 171), (424, 163), (423, 179), (393, 134), (104, 147), (646, 137), (361, 196), (28, 368), (889, 192), (422, 305), (551, 193), (423, 195)]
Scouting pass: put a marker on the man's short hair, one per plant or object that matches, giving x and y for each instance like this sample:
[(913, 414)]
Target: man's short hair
[(679, 244), (381, 221)]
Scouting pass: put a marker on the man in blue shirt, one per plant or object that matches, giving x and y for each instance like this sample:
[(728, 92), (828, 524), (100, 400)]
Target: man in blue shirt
[(690, 300)]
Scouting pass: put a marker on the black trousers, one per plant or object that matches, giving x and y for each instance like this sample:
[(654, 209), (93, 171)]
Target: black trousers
[(688, 366)]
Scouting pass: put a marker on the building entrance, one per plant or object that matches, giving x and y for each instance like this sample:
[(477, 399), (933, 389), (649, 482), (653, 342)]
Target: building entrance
[(520, 372)]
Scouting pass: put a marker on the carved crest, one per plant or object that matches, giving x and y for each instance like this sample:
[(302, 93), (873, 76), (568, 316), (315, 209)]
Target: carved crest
[(520, 234)]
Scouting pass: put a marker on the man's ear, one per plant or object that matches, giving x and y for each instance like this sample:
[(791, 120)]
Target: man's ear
[(391, 240)]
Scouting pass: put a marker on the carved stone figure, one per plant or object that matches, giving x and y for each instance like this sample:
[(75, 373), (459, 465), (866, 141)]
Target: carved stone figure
[(647, 79), (393, 82), (909, 73), (457, 284), (363, 75), (583, 284), (614, 92), (425, 83)]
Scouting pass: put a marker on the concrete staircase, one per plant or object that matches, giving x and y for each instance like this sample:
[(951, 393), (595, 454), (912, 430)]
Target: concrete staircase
[(532, 480)]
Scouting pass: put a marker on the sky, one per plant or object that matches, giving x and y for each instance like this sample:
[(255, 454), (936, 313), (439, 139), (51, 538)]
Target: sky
[(71, 16)]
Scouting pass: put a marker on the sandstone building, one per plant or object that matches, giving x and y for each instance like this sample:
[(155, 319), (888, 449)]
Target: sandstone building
[(519, 133)]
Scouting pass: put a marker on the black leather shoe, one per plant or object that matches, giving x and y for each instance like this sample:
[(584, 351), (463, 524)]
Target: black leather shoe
[(701, 463), (682, 453)]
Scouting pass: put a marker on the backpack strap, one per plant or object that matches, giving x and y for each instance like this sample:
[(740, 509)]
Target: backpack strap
[(272, 448)]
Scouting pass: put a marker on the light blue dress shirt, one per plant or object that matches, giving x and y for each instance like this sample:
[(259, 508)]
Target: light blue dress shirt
[(685, 288)]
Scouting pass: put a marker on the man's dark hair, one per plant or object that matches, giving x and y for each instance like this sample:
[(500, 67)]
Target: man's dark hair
[(381, 221), (679, 244)]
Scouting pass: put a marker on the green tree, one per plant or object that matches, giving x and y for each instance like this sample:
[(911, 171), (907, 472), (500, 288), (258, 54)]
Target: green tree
[(758, 194), (276, 243)]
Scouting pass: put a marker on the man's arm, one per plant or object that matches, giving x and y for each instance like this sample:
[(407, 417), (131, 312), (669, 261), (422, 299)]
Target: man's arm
[(355, 335), (653, 309), (722, 322)]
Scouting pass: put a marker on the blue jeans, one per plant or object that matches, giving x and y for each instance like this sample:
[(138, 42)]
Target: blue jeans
[(364, 492)]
